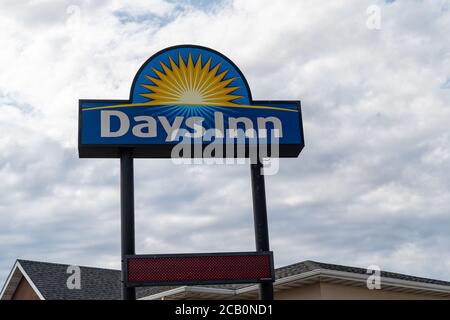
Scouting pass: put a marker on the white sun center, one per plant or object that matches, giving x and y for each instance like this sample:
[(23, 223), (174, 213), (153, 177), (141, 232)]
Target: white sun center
[(191, 97)]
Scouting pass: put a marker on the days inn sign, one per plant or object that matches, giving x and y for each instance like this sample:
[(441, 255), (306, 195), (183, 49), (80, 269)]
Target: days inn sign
[(186, 99), (188, 94)]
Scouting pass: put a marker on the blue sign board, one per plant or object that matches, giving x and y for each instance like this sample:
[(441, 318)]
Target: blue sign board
[(188, 95)]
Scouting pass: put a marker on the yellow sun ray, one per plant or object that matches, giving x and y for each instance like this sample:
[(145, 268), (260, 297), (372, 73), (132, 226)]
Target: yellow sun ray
[(197, 72), (203, 72), (173, 83), (190, 83), (176, 76)]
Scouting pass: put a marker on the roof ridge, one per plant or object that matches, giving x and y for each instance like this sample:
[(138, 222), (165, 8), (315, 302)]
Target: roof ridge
[(309, 264), (64, 264), (312, 263), (323, 265)]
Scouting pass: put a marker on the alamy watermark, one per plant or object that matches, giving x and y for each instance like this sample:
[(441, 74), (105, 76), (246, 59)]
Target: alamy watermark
[(373, 21), (229, 147), (74, 280), (243, 140), (374, 280)]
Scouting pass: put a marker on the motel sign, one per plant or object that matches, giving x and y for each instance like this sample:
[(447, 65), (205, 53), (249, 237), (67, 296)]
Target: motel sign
[(191, 102)]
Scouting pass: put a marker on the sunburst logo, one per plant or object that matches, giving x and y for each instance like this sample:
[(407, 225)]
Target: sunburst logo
[(190, 83)]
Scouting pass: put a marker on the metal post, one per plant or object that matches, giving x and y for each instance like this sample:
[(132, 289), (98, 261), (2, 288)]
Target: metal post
[(260, 218), (127, 215)]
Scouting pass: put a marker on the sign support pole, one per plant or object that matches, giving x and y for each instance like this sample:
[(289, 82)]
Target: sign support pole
[(127, 215), (260, 218)]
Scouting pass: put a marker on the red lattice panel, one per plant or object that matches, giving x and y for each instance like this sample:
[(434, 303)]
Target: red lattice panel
[(199, 269)]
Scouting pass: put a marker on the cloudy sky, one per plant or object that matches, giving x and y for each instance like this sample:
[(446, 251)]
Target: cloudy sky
[(372, 185)]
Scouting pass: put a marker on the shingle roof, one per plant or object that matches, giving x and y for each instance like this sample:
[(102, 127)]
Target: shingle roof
[(105, 284), (335, 267)]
